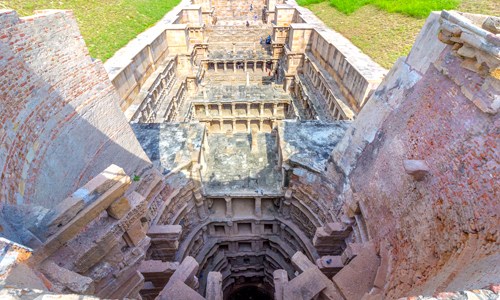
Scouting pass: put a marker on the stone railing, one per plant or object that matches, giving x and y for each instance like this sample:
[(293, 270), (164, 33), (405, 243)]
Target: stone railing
[(131, 66), (354, 72), (153, 93), (327, 90)]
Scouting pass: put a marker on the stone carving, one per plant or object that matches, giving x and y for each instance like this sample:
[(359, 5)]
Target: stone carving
[(301, 220)]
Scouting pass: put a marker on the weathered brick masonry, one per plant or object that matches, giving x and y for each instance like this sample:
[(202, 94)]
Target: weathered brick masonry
[(442, 231), (59, 111)]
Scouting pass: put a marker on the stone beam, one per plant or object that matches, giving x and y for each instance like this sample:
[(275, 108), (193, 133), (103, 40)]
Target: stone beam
[(280, 280), (214, 286)]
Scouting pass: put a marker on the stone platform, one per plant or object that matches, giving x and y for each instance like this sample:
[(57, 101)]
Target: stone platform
[(234, 166)]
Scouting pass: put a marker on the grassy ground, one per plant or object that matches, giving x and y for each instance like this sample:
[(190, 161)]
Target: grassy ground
[(386, 36), (106, 25), (415, 8)]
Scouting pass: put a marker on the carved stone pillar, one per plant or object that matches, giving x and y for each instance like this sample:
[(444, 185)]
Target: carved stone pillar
[(225, 67), (274, 108), (245, 65), (261, 110), (254, 65), (219, 107), (248, 109), (258, 209), (248, 125), (233, 109), (229, 208), (216, 65), (207, 107)]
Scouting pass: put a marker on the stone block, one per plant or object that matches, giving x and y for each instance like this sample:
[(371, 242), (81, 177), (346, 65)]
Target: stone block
[(149, 185), (353, 209), (492, 24), (84, 217), (350, 252), (305, 286), (139, 207), (96, 252), (357, 278), (112, 286), (164, 241), (214, 286), (337, 230), (158, 272), (185, 272), (416, 168), (60, 215), (66, 280), (165, 232), (329, 265), (179, 291), (158, 266), (301, 262), (100, 184), (280, 278), (134, 235), (119, 208), (135, 281)]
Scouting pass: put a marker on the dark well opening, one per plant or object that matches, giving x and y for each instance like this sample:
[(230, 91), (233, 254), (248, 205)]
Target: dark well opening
[(251, 292)]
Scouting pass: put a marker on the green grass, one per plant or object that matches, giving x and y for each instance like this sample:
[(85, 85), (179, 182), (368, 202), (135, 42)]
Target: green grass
[(414, 8), (106, 25), (386, 36)]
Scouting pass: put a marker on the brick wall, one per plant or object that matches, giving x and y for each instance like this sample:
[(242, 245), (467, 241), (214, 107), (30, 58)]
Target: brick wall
[(443, 230), (60, 121)]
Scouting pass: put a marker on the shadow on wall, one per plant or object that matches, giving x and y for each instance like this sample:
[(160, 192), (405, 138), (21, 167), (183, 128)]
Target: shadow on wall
[(60, 120)]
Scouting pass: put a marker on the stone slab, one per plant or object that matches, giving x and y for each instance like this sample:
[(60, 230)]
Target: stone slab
[(85, 217), (119, 208), (304, 287), (357, 278)]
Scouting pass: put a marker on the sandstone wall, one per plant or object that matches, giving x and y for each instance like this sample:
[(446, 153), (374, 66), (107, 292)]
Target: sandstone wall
[(131, 66), (60, 119), (350, 76), (436, 105)]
